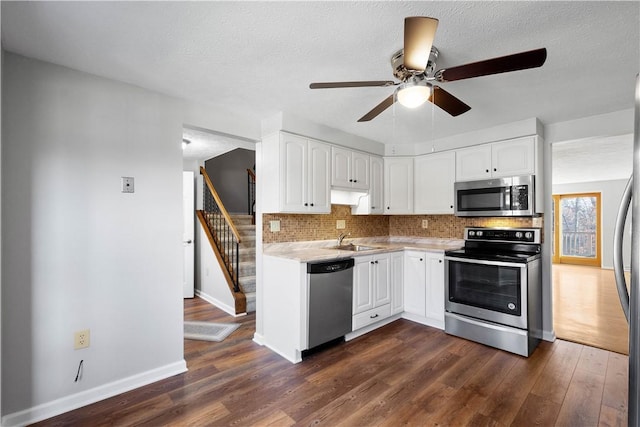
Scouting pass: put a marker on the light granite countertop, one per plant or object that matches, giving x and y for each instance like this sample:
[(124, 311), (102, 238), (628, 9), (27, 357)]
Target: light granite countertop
[(321, 250)]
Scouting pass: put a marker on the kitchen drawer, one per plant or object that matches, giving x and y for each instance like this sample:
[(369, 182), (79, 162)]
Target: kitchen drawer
[(368, 317)]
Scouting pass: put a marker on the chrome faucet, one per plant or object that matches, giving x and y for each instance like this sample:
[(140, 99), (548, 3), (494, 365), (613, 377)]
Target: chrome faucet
[(341, 237)]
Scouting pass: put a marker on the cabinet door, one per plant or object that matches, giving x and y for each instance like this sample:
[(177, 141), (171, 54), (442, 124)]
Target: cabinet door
[(293, 152), (435, 288), (340, 167), (362, 289), (376, 186), (397, 280), (319, 180), (398, 185), (516, 157), (414, 283), (473, 163), (382, 282), (434, 175), (360, 170)]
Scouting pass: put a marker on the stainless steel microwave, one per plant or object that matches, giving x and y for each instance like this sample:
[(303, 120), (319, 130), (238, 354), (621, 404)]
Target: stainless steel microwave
[(509, 196)]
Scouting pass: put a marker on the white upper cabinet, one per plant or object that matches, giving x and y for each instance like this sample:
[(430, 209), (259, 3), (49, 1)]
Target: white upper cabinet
[(398, 185), (511, 158), (296, 175), (373, 202), (350, 169), (434, 176), (318, 177), (376, 189), (499, 159)]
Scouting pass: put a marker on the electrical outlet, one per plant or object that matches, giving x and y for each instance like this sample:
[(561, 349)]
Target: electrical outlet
[(425, 223), (274, 226), (340, 224), (127, 184), (81, 339)]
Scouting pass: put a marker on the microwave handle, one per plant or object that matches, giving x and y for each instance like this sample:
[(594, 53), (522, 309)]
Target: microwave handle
[(507, 197)]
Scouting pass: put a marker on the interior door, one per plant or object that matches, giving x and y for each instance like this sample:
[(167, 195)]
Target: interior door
[(188, 213)]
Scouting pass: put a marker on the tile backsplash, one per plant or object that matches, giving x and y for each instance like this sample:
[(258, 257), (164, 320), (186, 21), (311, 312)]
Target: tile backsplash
[(303, 227)]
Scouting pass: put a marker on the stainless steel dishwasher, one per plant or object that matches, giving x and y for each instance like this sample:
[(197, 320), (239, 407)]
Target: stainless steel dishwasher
[(330, 300)]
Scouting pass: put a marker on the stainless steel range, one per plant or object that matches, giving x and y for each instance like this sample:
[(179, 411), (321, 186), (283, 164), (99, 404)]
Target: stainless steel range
[(494, 291)]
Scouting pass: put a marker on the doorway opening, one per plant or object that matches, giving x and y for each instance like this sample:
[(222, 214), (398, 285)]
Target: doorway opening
[(588, 180)]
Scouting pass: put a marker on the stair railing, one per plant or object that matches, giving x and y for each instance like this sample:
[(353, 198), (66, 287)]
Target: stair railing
[(251, 193), (221, 226)]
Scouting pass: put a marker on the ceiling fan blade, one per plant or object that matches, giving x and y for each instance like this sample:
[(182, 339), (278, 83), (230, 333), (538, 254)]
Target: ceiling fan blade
[(419, 32), (388, 102), (504, 64), (447, 102), (331, 85)]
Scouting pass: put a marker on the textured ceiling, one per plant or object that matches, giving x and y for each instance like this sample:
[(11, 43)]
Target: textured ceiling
[(258, 58), (596, 159)]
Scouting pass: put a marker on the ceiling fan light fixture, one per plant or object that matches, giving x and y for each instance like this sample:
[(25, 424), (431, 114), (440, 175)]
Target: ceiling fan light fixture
[(413, 93)]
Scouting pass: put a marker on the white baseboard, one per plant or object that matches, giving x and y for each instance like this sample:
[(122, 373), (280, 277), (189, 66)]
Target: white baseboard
[(369, 328), (549, 335), (96, 394), (423, 320), (222, 306), (258, 338)]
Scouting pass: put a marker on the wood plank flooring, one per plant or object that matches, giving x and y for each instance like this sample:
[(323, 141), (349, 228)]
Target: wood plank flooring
[(586, 308), (401, 374)]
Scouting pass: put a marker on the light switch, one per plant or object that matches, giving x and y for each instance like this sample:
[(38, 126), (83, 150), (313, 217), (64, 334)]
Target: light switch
[(274, 226), (127, 184), (425, 223), (340, 224)]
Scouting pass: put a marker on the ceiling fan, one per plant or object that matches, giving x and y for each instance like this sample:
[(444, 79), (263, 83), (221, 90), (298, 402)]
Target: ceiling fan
[(415, 64)]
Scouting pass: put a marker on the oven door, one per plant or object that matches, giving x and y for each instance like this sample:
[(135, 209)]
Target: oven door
[(495, 291)]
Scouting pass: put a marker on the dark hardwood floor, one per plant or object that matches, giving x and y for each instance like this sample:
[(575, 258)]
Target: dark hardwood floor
[(401, 374)]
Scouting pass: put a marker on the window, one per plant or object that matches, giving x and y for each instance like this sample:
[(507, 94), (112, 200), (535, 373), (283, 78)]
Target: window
[(576, 229)]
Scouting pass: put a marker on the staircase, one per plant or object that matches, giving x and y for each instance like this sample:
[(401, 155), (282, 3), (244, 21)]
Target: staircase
[(247, 264)]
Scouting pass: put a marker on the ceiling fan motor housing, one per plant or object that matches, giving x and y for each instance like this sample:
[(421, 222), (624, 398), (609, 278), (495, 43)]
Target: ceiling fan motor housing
[(402, 73)]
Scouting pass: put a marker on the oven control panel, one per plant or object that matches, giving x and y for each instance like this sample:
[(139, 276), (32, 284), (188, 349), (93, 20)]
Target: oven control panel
[(515, 235)]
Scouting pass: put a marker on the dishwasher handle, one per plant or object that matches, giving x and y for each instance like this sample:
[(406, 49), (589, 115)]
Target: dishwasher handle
[(330, 266)]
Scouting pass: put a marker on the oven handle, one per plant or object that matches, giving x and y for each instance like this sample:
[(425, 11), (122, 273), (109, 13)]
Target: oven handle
[(486, 262)]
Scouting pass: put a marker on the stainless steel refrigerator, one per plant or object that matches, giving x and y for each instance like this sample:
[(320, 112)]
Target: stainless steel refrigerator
[(631, 300)]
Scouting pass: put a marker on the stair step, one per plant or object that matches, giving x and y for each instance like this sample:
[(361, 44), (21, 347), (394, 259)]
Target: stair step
[(247, 283), (246, 268), (251, 301)]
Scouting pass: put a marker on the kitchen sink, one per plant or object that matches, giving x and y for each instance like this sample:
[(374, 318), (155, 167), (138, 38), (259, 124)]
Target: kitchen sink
[(355, 248)]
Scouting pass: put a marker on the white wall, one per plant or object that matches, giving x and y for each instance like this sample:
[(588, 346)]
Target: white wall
[(78, 253), (610, 200)]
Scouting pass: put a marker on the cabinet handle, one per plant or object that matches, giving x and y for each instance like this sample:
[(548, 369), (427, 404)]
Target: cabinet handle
[(451, 206), (440, 260), (355, 180), (487, 170), (306, 204), (311, 204), (420, 259), (373, 207), (350, 180), (371, 262), (388, 207), (373, 317), (495, 170), (376, 262)]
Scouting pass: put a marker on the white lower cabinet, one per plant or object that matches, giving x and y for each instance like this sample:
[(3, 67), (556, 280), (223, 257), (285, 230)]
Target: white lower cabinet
[(397, 282), (424, 287), (376, 280)]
